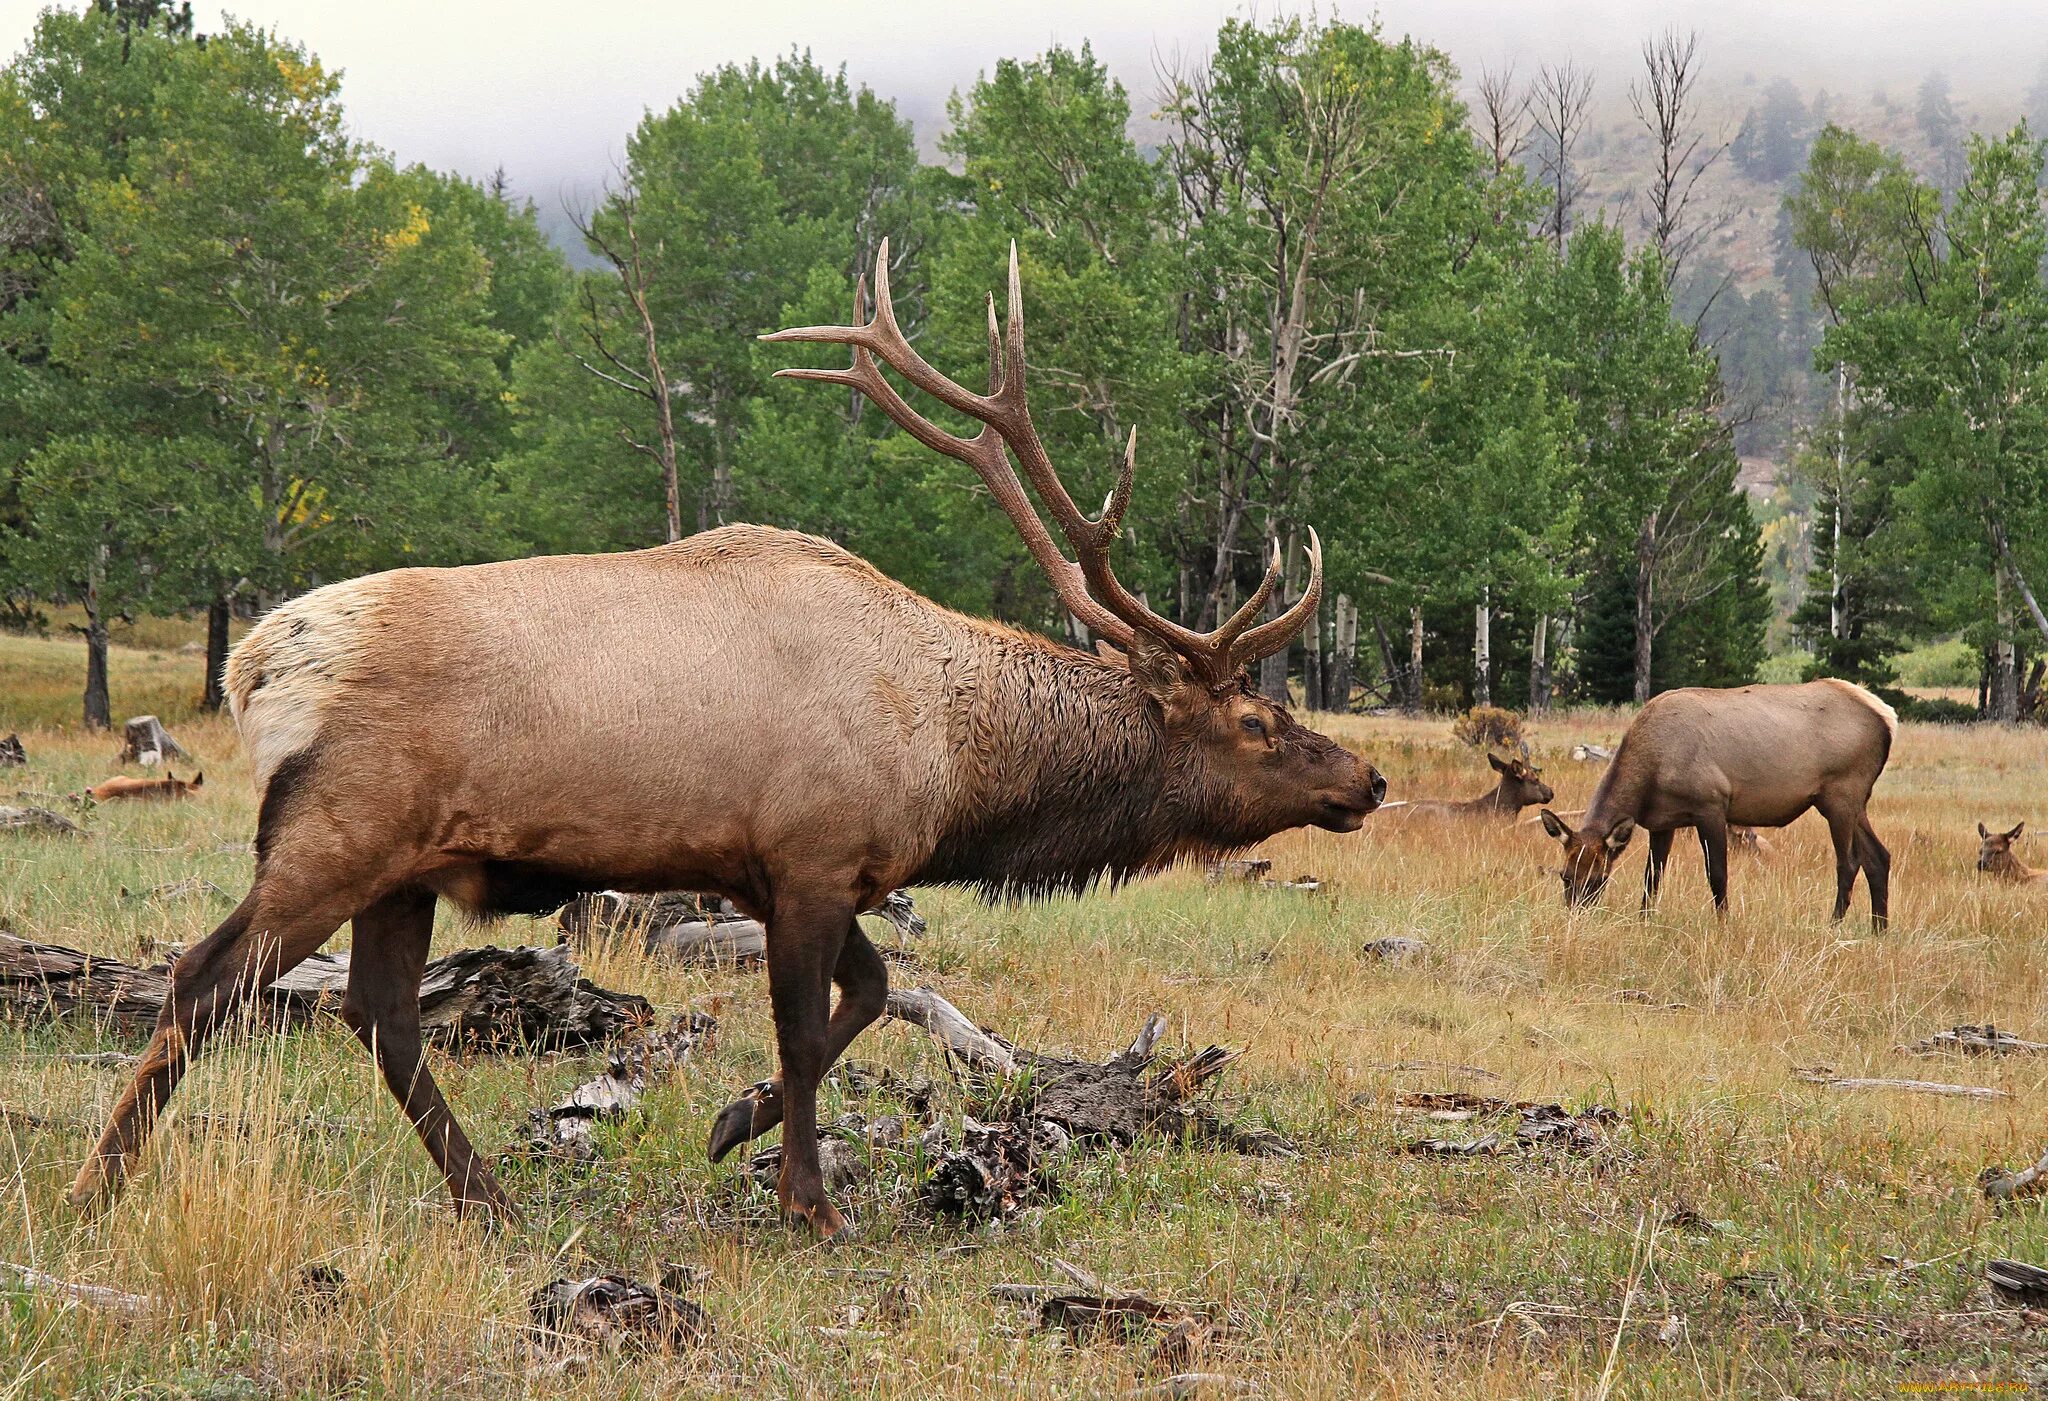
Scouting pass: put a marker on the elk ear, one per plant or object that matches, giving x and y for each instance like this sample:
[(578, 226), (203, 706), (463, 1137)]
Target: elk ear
[(1498, 766), (200, 779), (1618, 838), (1158, 669), (1111, 655), (2014, 834), (1982, 833), (1555, 825)]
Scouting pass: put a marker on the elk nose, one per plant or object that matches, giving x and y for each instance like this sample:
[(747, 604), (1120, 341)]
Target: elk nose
[(1379, 787)]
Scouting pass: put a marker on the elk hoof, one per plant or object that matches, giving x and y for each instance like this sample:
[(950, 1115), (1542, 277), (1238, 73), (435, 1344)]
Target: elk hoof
[(827, 1225), (98, 1183), (756, 1111)]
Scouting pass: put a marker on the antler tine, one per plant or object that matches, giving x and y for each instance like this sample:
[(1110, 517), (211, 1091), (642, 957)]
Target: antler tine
[(1119, 499), (1269, 637), (995, 350), (1226, 635)]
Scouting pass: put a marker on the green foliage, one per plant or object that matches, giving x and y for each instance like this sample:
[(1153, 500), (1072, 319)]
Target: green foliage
[(1950, 663)]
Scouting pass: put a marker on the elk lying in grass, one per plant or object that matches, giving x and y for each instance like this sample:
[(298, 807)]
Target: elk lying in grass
[(1995, 857), (503, 736), (168, 787), (1521, 785), (1758, 756)]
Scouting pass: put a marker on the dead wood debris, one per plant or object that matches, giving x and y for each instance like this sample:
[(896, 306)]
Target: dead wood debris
[(689, 928), (1181, 1334), (1592, 753), (145, 741), (1433, 1067), (1820, 1075), (1536, 1125), (11, 752), (1397, 949), (1258, 871), (564, 1129), (1985, 1040), (38, 819), (617, 1313), (482, 998), (2002, 1186), (2017, 1282)]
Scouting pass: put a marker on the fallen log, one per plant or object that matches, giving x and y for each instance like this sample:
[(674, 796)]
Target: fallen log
[(145, 741), (481, 998), (35, 819), (1918, 1087), (1257, 871), (1986, 1040), (1592, 753), (689, 928), (2000, 1185), (2018, 1283), (564, 1128)]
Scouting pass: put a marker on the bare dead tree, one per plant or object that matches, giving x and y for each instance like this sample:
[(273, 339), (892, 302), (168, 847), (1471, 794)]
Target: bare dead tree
[(1558, 101), (614, 231), (1503, 117), (1666, 102)]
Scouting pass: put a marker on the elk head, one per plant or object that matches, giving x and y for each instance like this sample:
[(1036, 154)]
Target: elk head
[(1994, 849), (1521, 782), (1588, 856), (1237, 757)]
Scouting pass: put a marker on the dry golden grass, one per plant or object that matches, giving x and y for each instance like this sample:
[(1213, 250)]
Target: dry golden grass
[(1849, 1262)]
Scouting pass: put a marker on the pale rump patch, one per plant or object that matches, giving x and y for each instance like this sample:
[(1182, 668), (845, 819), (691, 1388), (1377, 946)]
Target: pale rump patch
[(296, 665), (1884, 712)]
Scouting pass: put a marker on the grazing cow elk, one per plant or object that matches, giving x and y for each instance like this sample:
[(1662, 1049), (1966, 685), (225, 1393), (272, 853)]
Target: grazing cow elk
[(503, 736), (1521, 785), (1995, 857), (167, 787), (1758, 756)]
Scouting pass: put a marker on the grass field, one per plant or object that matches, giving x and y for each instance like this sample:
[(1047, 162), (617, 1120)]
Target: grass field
[(1740, 1231)]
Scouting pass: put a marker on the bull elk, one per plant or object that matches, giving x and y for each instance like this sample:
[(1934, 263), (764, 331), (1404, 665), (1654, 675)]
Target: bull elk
[(170, 786), (1758, 756), (1995, 857), (503, 736)]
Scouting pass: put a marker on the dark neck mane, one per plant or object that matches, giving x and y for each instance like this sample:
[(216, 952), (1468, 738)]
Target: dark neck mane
[(1065, 777)]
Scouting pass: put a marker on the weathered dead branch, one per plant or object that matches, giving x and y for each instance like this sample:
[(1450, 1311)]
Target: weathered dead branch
[(1916, 1087), (2000, 1185), (177, 890), (2016, 1282), (688, 928), (481, 998), (98, 1296), (1257, 871)]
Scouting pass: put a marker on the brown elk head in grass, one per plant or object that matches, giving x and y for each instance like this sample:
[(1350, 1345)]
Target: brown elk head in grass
[(1233, 757), (1995, 855), (1521, 783), (1588, 856)]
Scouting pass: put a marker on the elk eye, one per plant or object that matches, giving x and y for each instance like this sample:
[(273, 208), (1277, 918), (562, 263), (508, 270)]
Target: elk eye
[(1253, 725)]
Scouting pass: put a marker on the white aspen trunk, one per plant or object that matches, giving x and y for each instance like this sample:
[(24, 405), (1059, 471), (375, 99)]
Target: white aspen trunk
[(1415, 659), (1841, 495), (1539, 666), (1482, 649)]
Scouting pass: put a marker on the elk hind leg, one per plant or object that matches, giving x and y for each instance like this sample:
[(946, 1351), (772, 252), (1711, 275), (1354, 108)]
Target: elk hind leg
[(277, 925), (1842, 829), (1876, 863), (1713, 833), (863, 979), (382, 1007)]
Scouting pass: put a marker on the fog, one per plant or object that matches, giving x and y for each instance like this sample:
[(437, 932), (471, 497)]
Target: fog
[(550, 91)]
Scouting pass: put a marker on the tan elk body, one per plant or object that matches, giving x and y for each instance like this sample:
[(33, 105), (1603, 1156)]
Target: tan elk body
[(750, 712), (1754, 756), (1995, 857)]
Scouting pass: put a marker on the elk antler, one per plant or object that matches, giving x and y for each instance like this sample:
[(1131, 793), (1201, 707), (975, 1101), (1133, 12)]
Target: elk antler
[(1086, 584)]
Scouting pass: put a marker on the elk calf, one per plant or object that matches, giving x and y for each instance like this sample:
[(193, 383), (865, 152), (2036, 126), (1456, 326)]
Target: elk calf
[(1756, 756), (1995, 857), (1521, 785), (168, 787)]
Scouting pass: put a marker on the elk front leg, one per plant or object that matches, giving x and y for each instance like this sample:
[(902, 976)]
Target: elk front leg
[(1842, 828), (1653, 869), (1876, 862), (805, 936), (863, 980)]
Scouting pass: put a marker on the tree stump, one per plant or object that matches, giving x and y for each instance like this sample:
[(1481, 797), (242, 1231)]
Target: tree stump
[(11, 752), (145, 741)]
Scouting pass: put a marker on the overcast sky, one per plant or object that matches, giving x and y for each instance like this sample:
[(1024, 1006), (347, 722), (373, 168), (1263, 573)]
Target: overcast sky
[(549, 90)]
